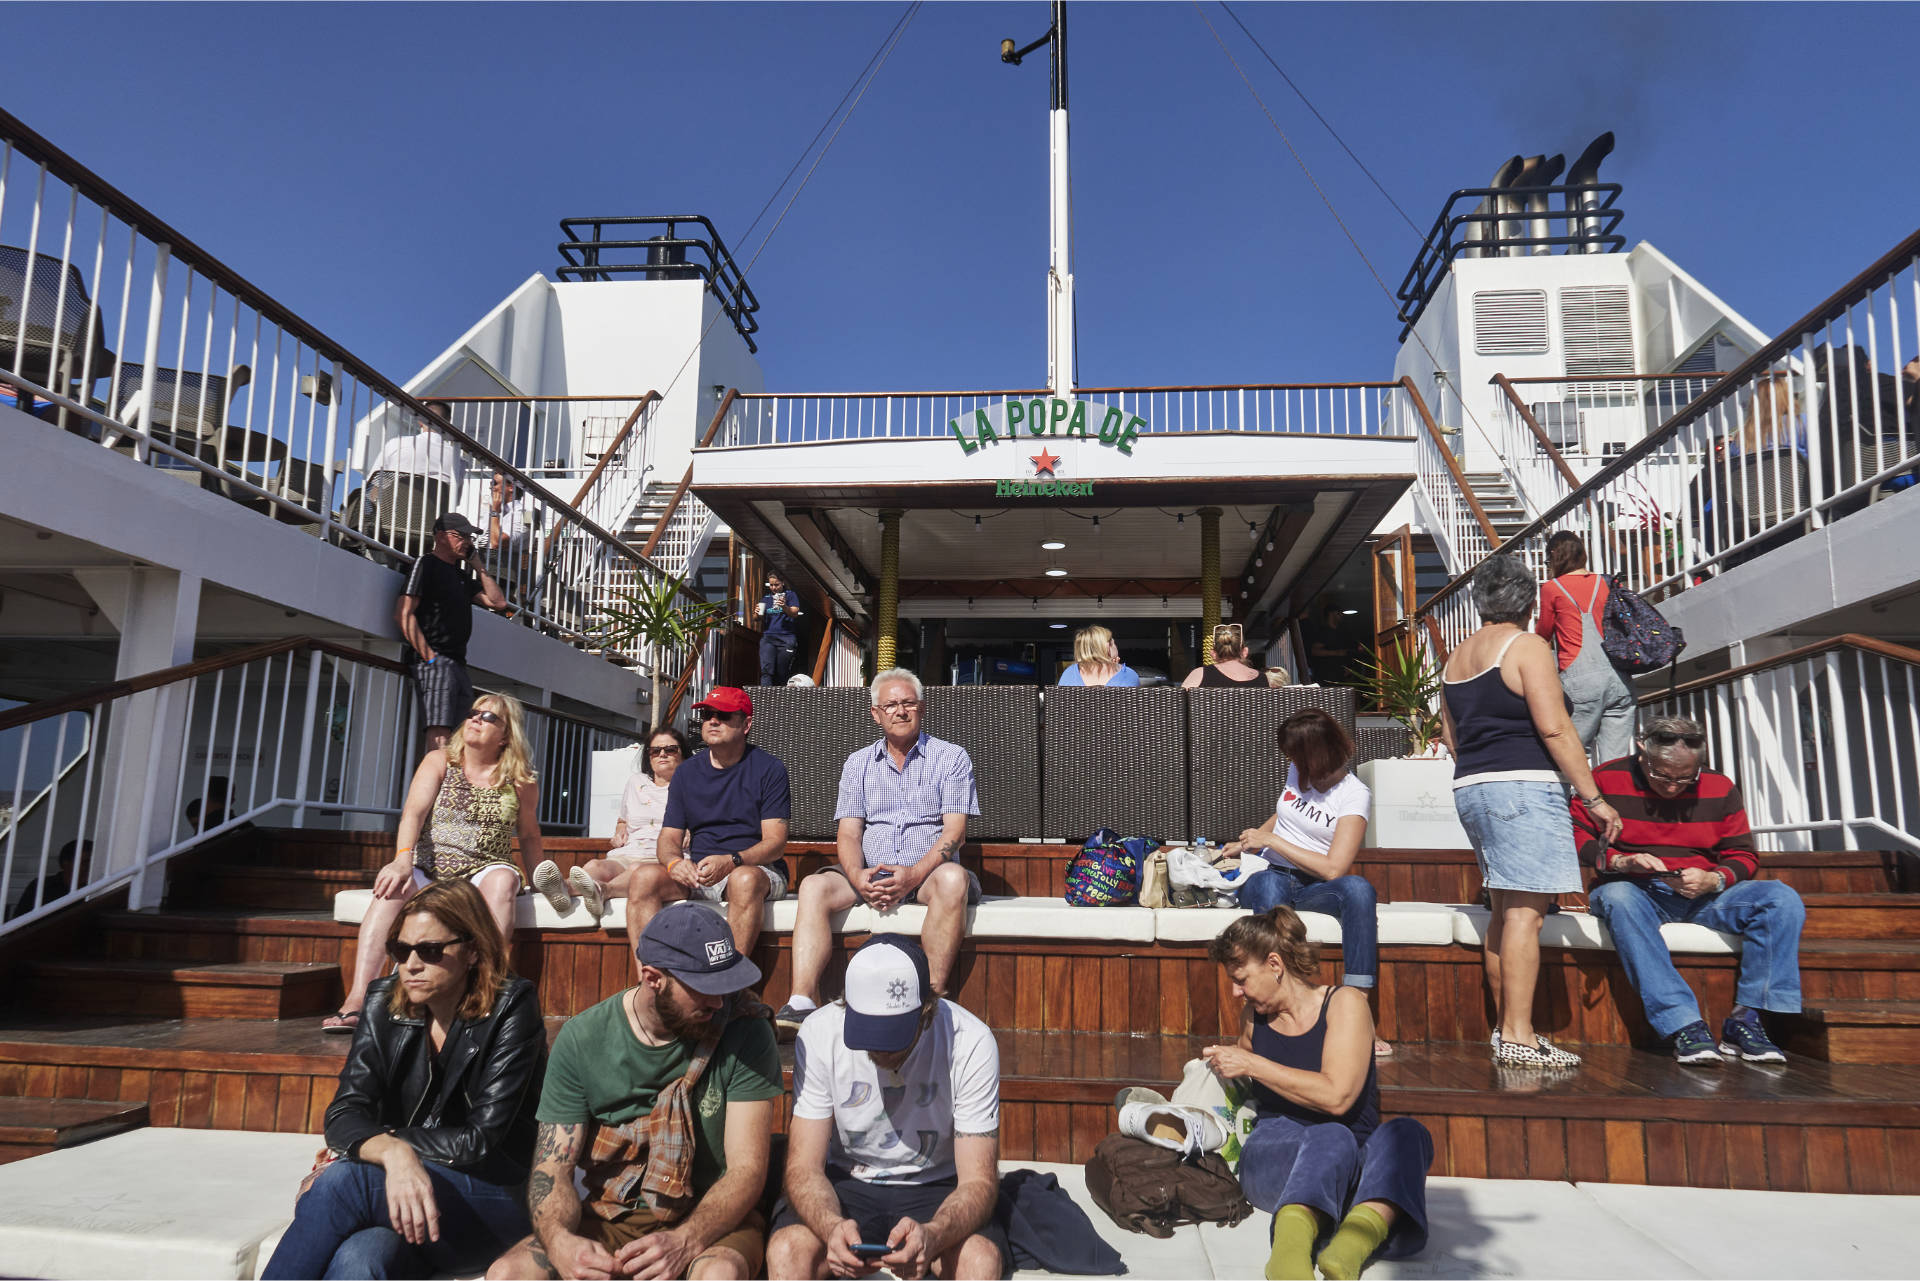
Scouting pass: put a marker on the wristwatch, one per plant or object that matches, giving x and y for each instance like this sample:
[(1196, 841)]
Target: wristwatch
[(737, 860)]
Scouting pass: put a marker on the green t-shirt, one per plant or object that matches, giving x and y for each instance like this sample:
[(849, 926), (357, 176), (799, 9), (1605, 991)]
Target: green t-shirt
[(599, 1071)]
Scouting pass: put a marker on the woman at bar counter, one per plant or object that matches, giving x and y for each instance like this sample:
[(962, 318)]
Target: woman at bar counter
[(1230, 667), (1505, 719), (1096, 660), (431, 1131), (466, 803), (1341, 1186)]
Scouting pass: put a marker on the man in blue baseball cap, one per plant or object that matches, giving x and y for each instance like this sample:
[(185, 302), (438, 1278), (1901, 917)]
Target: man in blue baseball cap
[(662, 1099), (897, 1091)]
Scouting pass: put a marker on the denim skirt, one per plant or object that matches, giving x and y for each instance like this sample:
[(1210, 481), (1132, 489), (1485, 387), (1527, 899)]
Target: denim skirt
[(1522, 835)]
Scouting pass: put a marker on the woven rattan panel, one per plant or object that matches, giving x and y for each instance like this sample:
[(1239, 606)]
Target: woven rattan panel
[(1380, 743), (999, 725), (812, 729), (1237, 769), (1114, 758)]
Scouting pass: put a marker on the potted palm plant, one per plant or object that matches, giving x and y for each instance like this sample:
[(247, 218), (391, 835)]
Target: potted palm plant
[(664, 617), (1412, 794)]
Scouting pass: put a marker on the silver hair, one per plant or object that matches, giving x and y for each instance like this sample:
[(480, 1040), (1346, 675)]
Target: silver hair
[(1504, 590), (895, 674), (1675, 727)]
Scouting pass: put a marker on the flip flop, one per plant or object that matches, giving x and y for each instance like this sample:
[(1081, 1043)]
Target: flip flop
[(1381, 1050), (341, 1022)]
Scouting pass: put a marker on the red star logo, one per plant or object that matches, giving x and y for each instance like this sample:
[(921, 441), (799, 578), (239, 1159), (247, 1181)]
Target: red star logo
[(1044, 462)]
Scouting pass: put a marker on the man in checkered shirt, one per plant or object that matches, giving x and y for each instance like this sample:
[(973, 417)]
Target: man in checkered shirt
[(903, 811)]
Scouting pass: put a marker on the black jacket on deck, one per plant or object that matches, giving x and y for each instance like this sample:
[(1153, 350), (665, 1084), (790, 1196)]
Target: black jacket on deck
[(471, 1107)]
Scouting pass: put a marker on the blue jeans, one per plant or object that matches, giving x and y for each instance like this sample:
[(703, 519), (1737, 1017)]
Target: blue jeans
[(1324, 1168), (1765, 914), (1350, 898), (341, 1229)]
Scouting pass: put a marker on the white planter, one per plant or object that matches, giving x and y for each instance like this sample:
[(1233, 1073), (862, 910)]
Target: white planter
[(1412, 805), (611, 770)]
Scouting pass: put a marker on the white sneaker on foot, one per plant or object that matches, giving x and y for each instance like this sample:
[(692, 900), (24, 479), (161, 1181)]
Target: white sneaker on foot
[(589, 891), (547, 879)]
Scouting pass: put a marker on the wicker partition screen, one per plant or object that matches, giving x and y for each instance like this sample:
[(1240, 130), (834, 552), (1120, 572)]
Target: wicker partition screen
[(812, 729), (1381, 742), (1114, 758), (1234, 752), (999, 725)]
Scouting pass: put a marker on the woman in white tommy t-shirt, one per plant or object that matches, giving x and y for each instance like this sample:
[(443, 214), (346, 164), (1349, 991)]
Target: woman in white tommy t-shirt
[(1311, 840)]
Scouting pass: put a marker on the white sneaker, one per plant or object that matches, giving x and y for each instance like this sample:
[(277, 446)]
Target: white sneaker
[(1182, 1129), (589, 891), (547, 879)]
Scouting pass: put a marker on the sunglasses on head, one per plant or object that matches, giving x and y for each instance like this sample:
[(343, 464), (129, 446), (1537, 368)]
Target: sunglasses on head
[(431, 952), (486, 718), (1664, 739)]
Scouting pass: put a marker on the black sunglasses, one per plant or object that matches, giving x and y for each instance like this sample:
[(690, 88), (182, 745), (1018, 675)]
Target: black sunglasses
[(486, 718), (430, 952), (713, 714), (1695, 741)]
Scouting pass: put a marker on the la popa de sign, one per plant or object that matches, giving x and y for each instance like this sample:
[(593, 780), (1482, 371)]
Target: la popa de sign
[(1013, 421)]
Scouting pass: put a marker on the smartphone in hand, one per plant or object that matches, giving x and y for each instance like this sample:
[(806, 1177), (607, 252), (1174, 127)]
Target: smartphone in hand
[(868, 1250)]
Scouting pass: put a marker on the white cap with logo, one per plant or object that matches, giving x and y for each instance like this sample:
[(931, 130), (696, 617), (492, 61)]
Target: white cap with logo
[(887, 984)]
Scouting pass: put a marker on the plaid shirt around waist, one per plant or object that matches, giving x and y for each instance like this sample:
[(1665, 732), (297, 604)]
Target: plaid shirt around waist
[(903, 806)]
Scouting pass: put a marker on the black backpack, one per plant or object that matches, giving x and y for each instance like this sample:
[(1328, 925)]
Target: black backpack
[(1151, 1189)]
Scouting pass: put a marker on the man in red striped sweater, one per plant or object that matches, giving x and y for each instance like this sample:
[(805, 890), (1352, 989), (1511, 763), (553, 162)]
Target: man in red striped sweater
[(1685, 853)]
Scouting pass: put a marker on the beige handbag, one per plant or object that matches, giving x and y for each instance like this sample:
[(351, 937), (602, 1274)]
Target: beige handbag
[(1154, 885)]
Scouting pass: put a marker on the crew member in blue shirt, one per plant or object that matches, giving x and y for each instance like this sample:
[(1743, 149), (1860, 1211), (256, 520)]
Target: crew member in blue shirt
[(725, 828), (903, 812), (777, 609)]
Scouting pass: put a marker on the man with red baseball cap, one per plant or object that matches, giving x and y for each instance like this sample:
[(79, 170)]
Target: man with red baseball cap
[(725, 828)]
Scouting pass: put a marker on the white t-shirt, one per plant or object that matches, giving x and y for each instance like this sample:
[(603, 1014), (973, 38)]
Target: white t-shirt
[(898, 1127), (1306, 817), (642, 806)]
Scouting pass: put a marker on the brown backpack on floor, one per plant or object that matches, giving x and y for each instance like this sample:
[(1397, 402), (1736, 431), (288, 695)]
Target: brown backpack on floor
[(1151, 1189)]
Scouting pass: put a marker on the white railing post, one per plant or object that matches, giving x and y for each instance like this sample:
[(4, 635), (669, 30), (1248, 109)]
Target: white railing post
[(302, 772), (150, 357), (326, 457)]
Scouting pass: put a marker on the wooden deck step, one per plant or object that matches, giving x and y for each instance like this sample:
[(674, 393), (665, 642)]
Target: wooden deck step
[(250, 989), (30, 1127), (1842, 1031), (1862, 916), (267, 889)]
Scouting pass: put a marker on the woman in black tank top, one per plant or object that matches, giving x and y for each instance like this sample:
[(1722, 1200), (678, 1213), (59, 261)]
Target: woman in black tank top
[(1342, 1185)]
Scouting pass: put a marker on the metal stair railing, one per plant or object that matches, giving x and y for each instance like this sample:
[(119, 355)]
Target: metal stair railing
[(299, 732), (1821, 739)]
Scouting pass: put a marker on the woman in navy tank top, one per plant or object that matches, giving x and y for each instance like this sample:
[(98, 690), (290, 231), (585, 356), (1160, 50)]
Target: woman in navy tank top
[(1506, 720), (1342, 1186)]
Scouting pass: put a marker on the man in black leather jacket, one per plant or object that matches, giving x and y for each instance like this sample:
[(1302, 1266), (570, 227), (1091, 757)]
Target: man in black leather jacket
[(433, 1126)]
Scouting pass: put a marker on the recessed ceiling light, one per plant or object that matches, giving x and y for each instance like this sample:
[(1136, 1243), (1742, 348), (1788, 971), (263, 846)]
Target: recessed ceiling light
[(1349, 611), (1056, 573), (1053, 545), (1058, 627)]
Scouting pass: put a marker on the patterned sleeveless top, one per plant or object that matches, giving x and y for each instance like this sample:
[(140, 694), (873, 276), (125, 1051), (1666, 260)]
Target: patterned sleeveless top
[(470, 828)]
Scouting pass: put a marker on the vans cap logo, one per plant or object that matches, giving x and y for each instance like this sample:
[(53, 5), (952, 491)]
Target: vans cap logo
[(719, 952)]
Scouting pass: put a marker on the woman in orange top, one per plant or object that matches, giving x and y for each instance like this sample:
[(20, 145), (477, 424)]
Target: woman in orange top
[(1572, 604)]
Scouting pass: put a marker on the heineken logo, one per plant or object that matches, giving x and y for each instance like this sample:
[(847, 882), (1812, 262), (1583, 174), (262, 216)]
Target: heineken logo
[(1014, 421)]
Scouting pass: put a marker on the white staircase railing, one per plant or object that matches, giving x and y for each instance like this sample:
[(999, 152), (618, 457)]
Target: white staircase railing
[(1814, 426), (295, 733), (1821, 740)]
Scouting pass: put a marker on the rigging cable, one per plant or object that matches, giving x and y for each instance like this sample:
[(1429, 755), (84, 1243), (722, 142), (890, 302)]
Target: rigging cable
[(1341, 223)]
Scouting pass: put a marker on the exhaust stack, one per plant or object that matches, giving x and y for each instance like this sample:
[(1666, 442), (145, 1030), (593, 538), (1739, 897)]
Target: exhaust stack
[(1584, 172), (1485, 236)]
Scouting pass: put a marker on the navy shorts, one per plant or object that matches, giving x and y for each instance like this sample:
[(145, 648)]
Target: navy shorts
[(876, 1207)]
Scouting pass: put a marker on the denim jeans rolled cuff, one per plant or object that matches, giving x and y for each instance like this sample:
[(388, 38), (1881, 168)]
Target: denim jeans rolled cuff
[(1767, 916), (1350, 899), (1324, 1168), (341, 1227)]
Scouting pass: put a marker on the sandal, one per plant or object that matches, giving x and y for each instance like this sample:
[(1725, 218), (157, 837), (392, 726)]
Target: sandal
[(341, 1022), (1381, 1050)]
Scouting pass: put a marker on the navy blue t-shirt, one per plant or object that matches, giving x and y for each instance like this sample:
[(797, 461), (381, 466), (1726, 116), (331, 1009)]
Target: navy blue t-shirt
[(721, 809), (777, 609)]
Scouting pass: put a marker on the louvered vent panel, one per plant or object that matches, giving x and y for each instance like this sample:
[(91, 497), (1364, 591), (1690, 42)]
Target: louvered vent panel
[(1596, 331), (1510, 322)]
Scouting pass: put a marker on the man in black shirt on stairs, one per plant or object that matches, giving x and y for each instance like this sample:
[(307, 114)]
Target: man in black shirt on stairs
[(435, 616)]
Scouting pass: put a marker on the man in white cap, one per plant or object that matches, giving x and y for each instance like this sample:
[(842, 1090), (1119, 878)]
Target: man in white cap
[(893, 1153), (655, 1120)]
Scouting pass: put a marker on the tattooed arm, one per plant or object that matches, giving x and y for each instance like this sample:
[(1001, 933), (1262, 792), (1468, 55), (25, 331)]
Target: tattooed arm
[(554, 1206), (953, 834), (672, 1251)]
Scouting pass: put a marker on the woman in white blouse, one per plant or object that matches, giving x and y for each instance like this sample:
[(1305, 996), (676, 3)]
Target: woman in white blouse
[(635, 836)]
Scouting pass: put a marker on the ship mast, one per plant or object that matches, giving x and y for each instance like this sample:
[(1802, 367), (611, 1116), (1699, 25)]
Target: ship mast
[(1060, 336)]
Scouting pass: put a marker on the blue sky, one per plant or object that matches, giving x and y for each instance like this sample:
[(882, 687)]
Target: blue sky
[(390, 171)]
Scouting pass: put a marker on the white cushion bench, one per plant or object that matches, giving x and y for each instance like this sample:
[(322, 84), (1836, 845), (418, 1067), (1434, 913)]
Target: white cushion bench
[(1583, 930)]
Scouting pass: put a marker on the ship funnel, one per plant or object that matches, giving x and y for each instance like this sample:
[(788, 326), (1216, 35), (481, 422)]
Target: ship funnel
[(1483, 231), (1542, 176), (1585, 172)]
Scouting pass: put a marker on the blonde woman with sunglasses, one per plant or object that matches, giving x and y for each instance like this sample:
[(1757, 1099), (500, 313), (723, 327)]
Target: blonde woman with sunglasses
[(467, 802), (1229, 667)]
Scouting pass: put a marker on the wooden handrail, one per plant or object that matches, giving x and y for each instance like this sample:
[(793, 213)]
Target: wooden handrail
[(1616, 378), (686, 481), (1846, 640), (1453, 464), (1526, 416), (613, 447), (526, 400), (1730, 384)]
